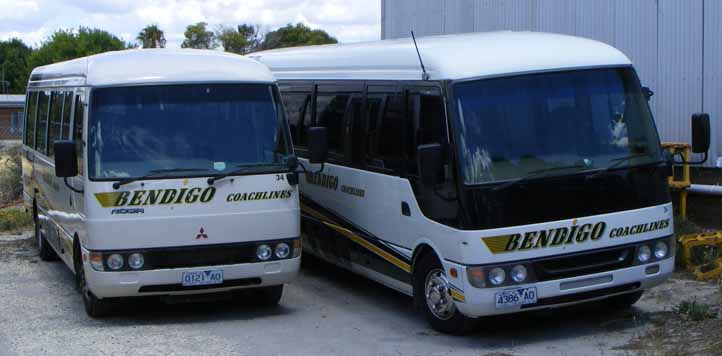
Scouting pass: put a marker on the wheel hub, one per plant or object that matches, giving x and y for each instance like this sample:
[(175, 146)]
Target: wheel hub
[(438, 295)]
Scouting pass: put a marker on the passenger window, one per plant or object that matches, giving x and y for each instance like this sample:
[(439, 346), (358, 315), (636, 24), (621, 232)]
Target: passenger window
[(30, 119), (296, 105), (56, 116), (67, 107), (41, 132), (78, 130), (330, 110), (357, 116), (389, 151)]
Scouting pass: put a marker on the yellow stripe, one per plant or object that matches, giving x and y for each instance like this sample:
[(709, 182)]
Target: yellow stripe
[(497, 244), (359, 240), (458, 296)]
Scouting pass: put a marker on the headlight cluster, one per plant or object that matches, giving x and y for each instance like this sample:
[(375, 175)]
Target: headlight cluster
[(117, 261), (653, 251), (269, 251), (496, 276)]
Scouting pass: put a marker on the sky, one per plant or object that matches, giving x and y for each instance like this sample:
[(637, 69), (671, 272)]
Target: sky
[(34, 20)]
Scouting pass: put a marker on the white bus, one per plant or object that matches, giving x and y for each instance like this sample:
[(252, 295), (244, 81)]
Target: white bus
[(162, 173), (515, 171)]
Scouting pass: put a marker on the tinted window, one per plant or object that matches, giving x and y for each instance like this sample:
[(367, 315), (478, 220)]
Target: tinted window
[(56, 115), (30, 119), (330, 110), (389, 150), (296, 105), (78, 130), (429, 122), (67, 107), (41, 132)]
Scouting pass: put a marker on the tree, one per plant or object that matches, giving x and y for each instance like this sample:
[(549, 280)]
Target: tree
[(151, 37), (242, 39), (298, 35), (64, 45), (14, 68), (199, 37)]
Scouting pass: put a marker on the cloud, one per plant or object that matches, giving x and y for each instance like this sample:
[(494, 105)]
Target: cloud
[(33, 20)]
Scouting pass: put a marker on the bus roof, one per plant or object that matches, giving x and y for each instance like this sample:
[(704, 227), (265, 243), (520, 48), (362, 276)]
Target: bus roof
[(158, 66), (449, 57)]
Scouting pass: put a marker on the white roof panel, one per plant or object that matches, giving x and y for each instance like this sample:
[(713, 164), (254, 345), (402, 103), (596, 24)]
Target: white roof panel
[(445, 57), (140, 66)]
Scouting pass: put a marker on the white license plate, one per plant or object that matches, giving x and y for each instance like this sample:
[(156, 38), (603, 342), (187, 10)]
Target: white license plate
[(512, 297), (202, 278)]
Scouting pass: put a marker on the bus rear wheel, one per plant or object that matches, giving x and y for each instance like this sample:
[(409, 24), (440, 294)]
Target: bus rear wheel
[(45, 252), (433, 293)]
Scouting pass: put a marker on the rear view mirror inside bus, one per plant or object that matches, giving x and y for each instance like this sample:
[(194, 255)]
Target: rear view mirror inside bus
[(317, 144), (66, 160), (430, 163)]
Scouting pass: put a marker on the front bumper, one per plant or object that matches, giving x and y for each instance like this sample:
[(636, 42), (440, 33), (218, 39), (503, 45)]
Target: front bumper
[(168, 281), (563, 292)]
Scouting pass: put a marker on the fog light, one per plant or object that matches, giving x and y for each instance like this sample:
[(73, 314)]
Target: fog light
[(115, 261), (282, 250), (296, 247), (497, 276), (476, 277), (518, 273), (644, 253), (264, 252), (136, 261), (96, 261), (661, 250)]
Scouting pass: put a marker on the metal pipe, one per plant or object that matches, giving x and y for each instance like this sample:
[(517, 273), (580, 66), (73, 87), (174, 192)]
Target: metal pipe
[(705, 189)]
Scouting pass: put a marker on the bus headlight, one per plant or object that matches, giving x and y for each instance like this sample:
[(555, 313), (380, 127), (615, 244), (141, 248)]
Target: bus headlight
[(264, 252), (518, 273), (661, 250), (282, 250), (497, 276), (136, 261), (476, 277), (644, 253), (115, 261)]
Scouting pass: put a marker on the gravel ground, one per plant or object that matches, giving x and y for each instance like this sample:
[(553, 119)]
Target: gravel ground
[(325, 312)]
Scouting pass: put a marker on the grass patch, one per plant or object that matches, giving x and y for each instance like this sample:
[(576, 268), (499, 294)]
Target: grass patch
[(14, 219), (695, 311), (11, 186)]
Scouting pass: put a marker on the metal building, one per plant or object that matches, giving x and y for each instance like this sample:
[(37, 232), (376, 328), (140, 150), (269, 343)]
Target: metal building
[(676, 45)]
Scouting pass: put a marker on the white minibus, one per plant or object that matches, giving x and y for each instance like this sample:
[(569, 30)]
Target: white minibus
[(162, 173), (484, 173)]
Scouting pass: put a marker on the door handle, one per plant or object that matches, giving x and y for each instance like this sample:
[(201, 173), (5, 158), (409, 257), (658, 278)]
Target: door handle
[(405, 210)]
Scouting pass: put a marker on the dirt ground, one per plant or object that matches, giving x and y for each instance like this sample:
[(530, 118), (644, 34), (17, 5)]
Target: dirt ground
[(327, 311)]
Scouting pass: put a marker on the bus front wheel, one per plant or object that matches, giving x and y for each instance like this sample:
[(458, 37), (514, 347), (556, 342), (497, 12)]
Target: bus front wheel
[(270, 296), (432, 290), (94, 307)]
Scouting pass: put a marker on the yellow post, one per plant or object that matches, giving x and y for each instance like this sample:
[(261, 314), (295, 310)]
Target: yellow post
[(682, 185)]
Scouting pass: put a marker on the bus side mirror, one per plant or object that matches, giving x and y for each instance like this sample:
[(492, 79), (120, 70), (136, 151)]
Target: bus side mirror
[(700, 133), (317, 144), (66, 159), (648, 93), (430, 163)]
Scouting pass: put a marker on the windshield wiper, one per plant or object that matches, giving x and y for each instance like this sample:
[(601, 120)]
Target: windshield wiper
[(618, 162), (240, 169), (533, 174), (154, 173)]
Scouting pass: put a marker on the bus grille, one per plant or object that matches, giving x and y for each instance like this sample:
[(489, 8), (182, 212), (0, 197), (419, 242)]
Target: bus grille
[(584, 263), (200, 256)]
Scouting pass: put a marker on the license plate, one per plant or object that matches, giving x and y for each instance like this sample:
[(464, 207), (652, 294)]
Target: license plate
[(202, 278), (512, 297)]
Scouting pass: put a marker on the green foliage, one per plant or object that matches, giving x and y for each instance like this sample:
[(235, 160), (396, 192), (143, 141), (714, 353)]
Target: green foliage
[(198, 36), (151, 37), (14, 219), (64, 45), (241, 39), (11, 187), (14, 68), (293, 36), (695, 311)]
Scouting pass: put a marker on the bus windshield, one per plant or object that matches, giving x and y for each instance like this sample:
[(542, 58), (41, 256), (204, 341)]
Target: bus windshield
[(189, 130), (558, 123)]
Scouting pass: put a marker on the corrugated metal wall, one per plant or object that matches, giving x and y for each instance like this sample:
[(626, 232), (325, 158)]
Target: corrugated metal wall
[(676, 45)]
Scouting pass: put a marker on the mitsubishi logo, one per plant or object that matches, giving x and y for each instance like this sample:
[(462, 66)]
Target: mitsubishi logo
[(201, 235)]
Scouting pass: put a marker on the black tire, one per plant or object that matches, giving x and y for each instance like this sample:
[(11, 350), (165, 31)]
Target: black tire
[(448, 320), (625, 301), (45, 251), (269, 296), (94, 307)]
